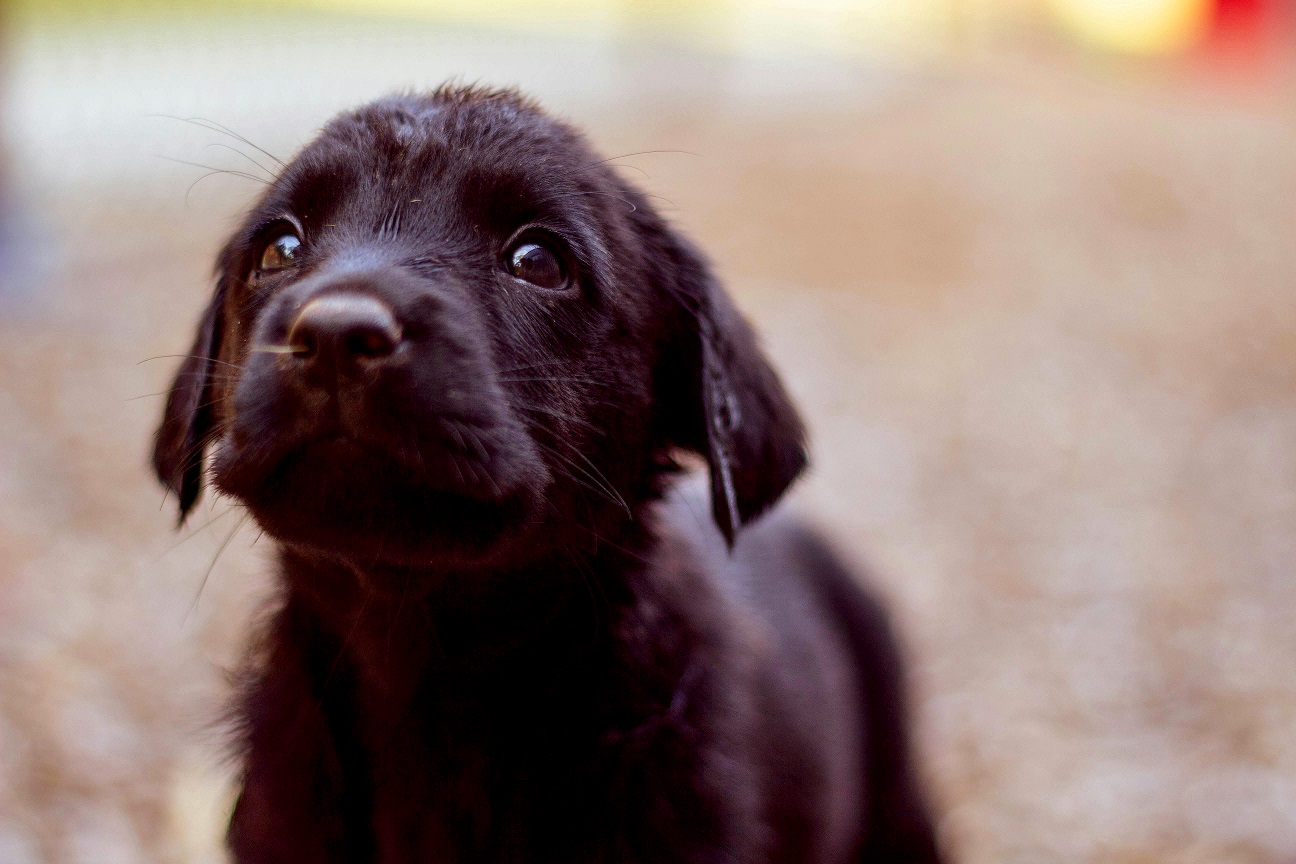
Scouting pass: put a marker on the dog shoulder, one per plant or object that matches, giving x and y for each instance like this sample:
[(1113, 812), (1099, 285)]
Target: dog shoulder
[(777, 552)]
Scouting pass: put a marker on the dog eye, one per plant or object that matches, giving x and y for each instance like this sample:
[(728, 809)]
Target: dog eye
[(280, 253), (537, 264)]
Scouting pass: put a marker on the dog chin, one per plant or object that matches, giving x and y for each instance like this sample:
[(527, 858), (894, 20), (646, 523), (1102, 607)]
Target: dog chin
[(343, 500)]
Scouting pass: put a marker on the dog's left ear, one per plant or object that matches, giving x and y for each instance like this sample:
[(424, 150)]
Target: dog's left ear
[(722, 398), (187, 421)]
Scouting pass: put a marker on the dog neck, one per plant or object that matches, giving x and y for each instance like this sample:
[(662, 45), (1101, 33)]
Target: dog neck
[(398, 631)]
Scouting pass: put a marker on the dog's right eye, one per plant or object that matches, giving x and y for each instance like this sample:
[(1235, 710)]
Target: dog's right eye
[(279, 253), (531, 260)]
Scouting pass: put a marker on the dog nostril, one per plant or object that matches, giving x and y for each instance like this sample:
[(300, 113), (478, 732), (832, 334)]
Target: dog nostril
[(346, 327), (371, 342), (302, 343)]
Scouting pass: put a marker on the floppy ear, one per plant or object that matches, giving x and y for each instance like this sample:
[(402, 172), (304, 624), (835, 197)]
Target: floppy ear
[(734, 409), (187, 421)]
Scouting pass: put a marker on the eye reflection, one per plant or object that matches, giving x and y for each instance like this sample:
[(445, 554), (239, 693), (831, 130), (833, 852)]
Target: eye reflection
[(280, 253), (537, 264)]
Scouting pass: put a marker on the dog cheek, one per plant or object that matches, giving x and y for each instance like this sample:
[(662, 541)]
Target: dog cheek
[(515, 457), (254, 413)]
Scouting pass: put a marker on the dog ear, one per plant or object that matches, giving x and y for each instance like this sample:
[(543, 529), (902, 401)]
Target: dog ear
[(724, 401), (187, 421)]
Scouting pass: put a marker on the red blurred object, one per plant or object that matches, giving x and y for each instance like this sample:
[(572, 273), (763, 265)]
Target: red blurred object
[(1241, 20), (1249, 37)]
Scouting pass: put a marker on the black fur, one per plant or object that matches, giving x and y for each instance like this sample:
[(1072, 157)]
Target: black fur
[(502, 638)]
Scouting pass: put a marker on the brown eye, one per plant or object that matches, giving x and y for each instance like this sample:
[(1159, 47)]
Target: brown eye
[(280, 253), (532, 262)]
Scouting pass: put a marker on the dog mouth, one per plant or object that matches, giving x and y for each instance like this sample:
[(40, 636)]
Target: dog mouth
[(456, 460), (455, 494)]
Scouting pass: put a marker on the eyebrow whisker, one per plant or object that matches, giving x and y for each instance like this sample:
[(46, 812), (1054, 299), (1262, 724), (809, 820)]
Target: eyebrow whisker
[(627, 156), (213, 126), (268, 172), (244, 174), (626, 201)]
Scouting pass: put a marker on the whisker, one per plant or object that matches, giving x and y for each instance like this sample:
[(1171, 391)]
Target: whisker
[(660, 198), (190, 357), (221, 127), (269, 173), (601, 539), (212, 566), (579, 482), (627, 156), (278, 349), (217, 430), (209, 403), (626, 201), (167, 392), (606, 490), (526, 367), (604, 478), (196, 531), (213, 126), (234, 171), (408, 427), (559, 379), (191, 186), (204, 373), (561, 415), (482, 456)]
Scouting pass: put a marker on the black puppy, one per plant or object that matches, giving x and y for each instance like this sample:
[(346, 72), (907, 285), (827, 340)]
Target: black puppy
[(448, 367)]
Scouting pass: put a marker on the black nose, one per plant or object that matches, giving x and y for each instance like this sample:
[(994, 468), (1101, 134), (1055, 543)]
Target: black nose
[(344, 331)]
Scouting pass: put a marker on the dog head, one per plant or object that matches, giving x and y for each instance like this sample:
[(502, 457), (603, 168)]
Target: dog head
[(449, 334)]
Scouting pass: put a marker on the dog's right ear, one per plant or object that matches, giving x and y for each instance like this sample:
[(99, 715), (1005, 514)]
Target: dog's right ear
[(719, 396), (187, 422)]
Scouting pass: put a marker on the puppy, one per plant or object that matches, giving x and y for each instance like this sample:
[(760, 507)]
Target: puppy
[(449, 366)]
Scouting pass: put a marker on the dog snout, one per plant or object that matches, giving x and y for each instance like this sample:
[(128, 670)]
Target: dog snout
[(345, 332)]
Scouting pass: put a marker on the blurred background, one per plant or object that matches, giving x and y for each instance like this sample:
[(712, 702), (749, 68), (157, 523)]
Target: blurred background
[(1029, 266)]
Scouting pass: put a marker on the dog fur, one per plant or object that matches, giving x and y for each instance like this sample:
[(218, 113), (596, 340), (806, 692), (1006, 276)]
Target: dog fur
[(506, 633)]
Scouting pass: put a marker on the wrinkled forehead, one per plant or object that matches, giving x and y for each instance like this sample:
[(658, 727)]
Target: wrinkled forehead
[(491, 165)]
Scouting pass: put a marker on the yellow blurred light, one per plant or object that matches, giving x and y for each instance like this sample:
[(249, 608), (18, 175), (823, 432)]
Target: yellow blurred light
[(1136, 26), (841, 27), (551, 15), (836, 26)]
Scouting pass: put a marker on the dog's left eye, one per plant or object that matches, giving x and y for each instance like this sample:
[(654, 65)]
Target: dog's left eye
[(280, 253), (533, 262)]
